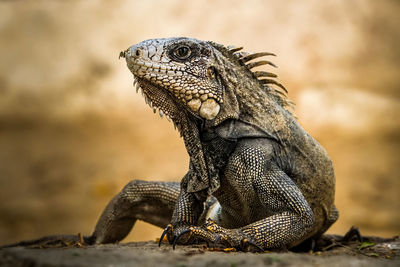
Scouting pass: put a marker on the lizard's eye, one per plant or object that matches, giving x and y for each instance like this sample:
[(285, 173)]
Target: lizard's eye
[(182, 52)]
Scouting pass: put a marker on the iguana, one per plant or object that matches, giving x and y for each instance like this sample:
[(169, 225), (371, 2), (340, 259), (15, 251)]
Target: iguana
[(256, 178)]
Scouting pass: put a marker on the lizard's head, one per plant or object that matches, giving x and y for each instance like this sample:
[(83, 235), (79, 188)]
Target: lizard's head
[(177, 71), (198, 75)]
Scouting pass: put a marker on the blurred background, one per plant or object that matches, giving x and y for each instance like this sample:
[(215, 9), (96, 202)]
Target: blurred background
[(73, 131)]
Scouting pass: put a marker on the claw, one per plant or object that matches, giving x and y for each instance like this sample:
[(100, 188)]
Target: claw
[(216, 241), (179, 236), (246, 242), (169, 226), (353, 232)]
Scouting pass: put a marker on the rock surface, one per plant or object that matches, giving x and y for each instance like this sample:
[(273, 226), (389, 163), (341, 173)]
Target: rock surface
[(386, 253)]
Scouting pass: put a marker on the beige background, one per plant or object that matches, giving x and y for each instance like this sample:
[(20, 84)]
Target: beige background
[(73, 132)]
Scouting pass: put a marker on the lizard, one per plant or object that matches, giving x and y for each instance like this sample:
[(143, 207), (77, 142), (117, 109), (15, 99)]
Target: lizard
[(256, 179)]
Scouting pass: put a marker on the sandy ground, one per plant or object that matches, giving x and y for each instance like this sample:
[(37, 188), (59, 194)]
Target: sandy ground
[(386, 253)]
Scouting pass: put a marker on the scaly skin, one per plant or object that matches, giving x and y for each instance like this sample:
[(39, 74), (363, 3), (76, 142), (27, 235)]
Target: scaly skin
[(272, 183), (256, 179)]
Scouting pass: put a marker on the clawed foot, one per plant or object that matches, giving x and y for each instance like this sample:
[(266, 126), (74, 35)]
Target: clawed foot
[(211, 233), (176, 234)]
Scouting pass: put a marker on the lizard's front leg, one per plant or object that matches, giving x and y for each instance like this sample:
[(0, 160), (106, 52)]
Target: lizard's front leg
[(188, 210), (291, 219)]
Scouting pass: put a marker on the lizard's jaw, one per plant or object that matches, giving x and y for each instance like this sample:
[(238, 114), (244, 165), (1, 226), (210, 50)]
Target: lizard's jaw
[(163, 100)]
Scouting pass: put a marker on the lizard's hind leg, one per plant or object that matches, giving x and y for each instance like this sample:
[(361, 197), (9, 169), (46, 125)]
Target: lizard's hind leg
[(149, 201), (152, 202)]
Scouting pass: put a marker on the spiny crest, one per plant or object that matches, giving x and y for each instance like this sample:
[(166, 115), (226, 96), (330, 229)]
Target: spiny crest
[(265, 78)]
